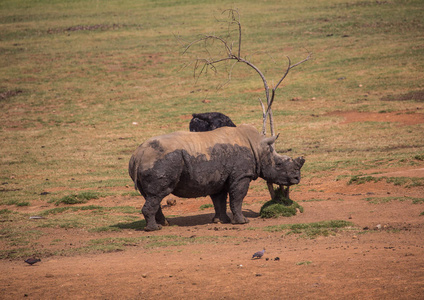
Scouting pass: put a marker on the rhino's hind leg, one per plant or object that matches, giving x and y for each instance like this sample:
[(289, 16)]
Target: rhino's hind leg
[(160, 218), (220, 205), (150, 211)]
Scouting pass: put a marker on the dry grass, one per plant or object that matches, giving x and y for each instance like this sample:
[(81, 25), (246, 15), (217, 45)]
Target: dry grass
[(83, 83)]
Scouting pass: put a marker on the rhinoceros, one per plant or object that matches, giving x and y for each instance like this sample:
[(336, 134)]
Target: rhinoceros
[(215, 163)]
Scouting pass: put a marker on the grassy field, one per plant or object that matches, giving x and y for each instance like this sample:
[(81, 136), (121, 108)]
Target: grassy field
[(82, 83)]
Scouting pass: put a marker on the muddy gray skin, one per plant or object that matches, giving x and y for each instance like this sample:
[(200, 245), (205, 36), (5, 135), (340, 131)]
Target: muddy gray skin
[(209, 121), (217, 163)]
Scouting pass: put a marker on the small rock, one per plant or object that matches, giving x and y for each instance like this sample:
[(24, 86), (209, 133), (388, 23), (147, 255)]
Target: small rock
[(171, 202), (258, 274), (378, 226), (144, 275)]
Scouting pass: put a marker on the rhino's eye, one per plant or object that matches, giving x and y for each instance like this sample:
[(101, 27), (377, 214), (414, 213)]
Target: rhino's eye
[(279, 163)]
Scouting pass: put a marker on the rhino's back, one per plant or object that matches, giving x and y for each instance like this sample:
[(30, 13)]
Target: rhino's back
[(194, 143)]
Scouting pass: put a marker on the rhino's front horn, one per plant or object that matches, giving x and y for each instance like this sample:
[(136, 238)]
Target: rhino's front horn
[(300, 161)]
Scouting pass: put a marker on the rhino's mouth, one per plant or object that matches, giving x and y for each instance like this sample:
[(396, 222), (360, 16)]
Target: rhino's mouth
[(294, 180)]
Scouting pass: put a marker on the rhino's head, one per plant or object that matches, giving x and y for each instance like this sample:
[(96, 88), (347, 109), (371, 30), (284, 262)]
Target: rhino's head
[(279, 169)]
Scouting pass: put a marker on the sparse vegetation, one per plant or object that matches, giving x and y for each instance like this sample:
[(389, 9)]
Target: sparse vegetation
[(376, 200), (358, 179), (312, 230), (79, 198), (402, 181)]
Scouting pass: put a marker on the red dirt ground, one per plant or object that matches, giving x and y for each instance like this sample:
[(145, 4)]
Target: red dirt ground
[(382, 257)]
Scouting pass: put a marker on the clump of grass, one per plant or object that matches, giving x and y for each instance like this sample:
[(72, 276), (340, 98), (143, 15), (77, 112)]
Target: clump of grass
[(419, 157), (17, 203), (205, 206), (417, 200), (406, 181), (82, 197), (311, 230), (303, 263), (358, 179), (280, 206)]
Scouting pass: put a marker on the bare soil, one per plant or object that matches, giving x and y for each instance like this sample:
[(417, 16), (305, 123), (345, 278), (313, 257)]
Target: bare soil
[(381, 257)]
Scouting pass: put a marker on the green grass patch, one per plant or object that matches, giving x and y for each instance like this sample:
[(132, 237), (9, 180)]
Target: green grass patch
[(311, 230), (59, 210), (16, 202), (280, 206), (79, 198), (358, 179), (205, 206), (378, 200), (407, 182)]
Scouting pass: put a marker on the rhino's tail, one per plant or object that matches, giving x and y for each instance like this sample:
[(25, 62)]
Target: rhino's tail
[(132, 170)]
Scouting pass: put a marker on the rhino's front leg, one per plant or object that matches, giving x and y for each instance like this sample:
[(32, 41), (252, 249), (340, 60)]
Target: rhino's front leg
[(220, 204), (150, 210), (238, 191)]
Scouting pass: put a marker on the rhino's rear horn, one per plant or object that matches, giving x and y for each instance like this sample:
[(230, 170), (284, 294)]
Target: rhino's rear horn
[(270, 140), (300, 161)]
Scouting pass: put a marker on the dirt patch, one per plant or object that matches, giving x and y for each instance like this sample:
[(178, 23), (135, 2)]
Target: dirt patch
[(380, 257), (8, 94), (403, 117), (417, 96), (87, 28)]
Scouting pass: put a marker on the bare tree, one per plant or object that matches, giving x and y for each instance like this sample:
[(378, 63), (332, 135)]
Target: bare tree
[(202, 64)]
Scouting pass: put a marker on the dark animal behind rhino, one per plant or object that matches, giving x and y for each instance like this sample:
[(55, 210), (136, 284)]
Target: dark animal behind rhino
[(209, 121), (217, 163)]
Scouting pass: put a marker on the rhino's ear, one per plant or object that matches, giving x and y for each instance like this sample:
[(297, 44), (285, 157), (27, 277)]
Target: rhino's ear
[(270, 140), (300, 161)]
